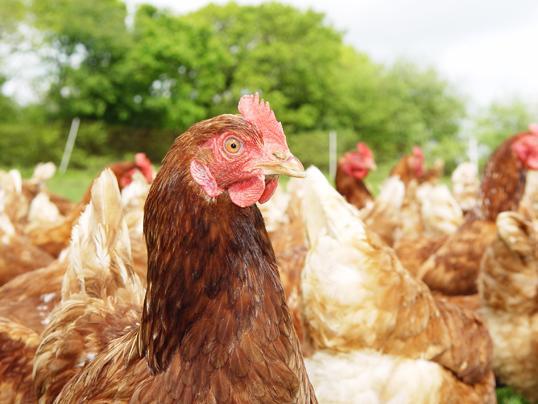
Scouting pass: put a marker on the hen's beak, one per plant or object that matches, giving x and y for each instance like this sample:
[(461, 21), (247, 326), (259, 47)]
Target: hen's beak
[(282, 163)]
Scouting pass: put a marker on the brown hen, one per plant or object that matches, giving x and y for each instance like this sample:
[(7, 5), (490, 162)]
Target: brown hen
[(453, 269), (54, 237), (351, 171), (214, 327)]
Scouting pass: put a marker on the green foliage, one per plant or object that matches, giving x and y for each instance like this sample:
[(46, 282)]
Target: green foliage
[(135, 86), (450, 149), (505, 395), (288, 55), (502, 119), (8, 108), (27, 144), (73, 183), (11, 13)]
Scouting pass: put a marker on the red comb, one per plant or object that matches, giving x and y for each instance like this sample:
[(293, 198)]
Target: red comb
[(364, 149), (144, 165), (141, 159), (417, 151), (259, 113)]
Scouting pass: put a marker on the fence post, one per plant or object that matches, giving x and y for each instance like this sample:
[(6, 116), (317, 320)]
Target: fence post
[(472, 150), (333, 151), (73, 131)]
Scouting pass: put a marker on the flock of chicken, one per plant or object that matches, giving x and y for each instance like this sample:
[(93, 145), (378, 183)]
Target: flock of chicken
[(165, 288)]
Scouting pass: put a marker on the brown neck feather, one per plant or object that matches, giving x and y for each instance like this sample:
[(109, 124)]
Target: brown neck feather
[(504, 181), (354, 190), (209, 263)]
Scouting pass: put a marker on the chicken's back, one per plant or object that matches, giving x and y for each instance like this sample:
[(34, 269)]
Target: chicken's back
[(101, 295), (509, 298), (29, 298), (454, 267), (17, 348)]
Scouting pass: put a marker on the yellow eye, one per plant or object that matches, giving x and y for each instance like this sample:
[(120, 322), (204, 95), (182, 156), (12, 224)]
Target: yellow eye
[(232, 145)]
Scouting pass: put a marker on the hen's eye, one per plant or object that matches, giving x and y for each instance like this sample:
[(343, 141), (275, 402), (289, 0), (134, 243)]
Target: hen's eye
[(232, 145)]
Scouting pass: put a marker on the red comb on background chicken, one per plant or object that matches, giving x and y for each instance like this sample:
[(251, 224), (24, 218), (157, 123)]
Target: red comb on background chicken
[(526, 149), (417, 161), (410, 167), (214, 326), (124, 171), (352, 168)]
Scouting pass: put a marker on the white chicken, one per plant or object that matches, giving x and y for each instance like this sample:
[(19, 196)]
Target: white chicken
[(368, 317)]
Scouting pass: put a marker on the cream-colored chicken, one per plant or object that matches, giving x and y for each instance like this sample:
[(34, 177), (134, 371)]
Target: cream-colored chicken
[(274, 210), (17, 254), (288, 237), (508, 287), (15, 204), (42, 212), (429, 215), (99, 276), (133, 198), (360, 305), (383, 216), (29, 298), (466, 186)]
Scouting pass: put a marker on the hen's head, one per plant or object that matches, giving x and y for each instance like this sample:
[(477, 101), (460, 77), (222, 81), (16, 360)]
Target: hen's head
[(242, 155), (358, 163), (416, 161), (125, 171), (526, 149), (144, 166)]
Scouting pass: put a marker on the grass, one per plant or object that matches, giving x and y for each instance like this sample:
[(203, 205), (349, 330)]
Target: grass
[(72, 184), (505, 395)]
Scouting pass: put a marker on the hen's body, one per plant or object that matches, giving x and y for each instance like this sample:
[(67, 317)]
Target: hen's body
[(360, 302), (453, 269), (466, 186), (429, 216), (29, 298), (383, 217), (509, 294), (18, 345), (17, 254)]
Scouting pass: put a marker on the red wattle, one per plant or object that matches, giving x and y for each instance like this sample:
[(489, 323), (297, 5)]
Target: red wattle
[(270, 188), (248, 192)]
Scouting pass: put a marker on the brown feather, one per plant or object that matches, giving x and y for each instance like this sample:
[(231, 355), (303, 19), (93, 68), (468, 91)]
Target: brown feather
[(353, 189)]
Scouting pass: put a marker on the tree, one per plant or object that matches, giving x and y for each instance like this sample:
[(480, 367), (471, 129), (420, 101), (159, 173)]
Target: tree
[(287, 54), (502, 119), (141, 83)]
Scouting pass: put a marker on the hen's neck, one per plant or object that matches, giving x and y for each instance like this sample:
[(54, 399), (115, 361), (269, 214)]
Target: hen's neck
[(211, 272), (354, 190)]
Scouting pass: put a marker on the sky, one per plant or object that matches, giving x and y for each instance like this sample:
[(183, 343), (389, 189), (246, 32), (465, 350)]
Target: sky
[(488, 49)]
